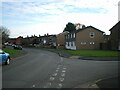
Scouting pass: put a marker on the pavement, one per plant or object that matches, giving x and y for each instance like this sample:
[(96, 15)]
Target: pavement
[(43, 69)]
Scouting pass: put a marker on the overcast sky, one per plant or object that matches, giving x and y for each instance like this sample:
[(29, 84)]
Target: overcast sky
[(29, 17)]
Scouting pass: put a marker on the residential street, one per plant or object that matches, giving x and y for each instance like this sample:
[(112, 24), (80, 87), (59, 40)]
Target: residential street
[(44, 69)]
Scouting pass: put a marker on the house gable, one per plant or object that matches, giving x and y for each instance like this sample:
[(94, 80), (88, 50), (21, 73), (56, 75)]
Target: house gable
[(115, 37), (89, 38)]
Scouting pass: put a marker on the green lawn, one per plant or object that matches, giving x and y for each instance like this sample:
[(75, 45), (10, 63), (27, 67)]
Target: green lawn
[(12, 52), (93, 53)]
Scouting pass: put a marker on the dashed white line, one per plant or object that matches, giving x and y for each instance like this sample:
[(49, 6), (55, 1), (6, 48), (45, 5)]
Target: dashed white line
[(54, 74), (64, 68), (52, 78), (62, 74), (57, 70), (33, 86), (63, 71), (60, 85), (61, 79)]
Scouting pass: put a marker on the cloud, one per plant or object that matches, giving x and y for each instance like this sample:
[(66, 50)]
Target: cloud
[(52, 15)]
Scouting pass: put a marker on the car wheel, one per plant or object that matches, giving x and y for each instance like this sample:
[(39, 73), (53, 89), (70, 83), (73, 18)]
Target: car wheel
[(7, 61)]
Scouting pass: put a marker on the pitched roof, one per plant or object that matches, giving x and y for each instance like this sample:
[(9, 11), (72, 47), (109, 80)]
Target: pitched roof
[(89, 27), (115, 25)]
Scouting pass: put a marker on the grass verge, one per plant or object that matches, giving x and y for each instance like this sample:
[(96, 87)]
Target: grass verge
[(12, 52), (93, 53)]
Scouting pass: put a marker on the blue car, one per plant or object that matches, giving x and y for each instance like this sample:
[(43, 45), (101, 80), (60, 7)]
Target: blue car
[(4, 57)]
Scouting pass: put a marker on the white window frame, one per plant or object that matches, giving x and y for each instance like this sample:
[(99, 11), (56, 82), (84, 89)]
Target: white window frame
[(71, 35), (74, 35), (91, 33), (92, 43), (83, 43), (67, 43)]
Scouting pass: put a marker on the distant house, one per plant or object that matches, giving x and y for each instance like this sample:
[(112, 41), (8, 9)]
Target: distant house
[(47, 41), (85, 38), (61, 40), (12, 40), (16, 40), (19, 40), (106, 44), (115, 37)]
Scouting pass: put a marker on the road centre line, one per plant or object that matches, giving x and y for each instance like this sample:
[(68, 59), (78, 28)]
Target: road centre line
[(61, 79), (33, 86), (64, 68), (54, 74), (63, 71), (62, 74), (57, 70), (52, 78), (60, 85)]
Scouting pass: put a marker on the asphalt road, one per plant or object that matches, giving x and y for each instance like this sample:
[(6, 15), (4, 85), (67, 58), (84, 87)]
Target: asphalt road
[(44, 69)]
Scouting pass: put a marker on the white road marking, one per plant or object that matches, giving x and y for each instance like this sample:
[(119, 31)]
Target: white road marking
[(57, 70), (61, 79), (63, 71), (64, 68), (52, 78), (54, 74), (62, 74), (33, 86), (60, 85)]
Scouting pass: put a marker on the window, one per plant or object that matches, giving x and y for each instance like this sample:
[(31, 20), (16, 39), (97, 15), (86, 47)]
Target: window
[(92, 34), (92, 42), (83, 43), (67, 43), (74, 35), (71, 35), (73, 43)]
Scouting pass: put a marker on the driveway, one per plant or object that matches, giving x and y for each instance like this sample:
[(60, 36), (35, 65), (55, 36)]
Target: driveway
[(44, 69)]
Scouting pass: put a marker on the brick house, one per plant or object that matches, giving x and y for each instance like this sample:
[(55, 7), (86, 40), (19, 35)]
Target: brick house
[(61, 40), (12, 40), (16, 40), (19, 40), (85, 38), (115, 37)]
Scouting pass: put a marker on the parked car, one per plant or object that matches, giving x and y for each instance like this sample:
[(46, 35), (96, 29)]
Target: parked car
[(4, 57), (17, 47)]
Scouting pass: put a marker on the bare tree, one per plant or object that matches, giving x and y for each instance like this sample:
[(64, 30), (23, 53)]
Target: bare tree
[(4, 33)]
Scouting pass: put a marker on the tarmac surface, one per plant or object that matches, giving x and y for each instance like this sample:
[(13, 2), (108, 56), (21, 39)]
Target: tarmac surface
[(80, 73)]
